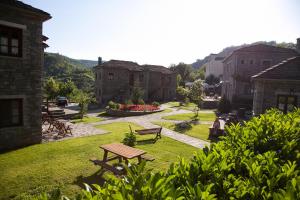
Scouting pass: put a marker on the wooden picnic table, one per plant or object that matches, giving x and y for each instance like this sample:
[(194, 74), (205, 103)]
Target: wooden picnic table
[(121, 152)]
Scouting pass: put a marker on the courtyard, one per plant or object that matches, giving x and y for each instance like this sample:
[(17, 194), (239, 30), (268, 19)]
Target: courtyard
[(64, 163)]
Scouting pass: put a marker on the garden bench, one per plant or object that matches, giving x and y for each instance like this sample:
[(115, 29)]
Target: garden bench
[(107, 167), (156, 131)]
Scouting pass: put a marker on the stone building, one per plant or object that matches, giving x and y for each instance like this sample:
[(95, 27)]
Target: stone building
[(277, 87), (246, 62), (21, 59), (116, 79)]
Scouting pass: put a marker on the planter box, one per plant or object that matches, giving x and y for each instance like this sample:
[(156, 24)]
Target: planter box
[(122, 113)]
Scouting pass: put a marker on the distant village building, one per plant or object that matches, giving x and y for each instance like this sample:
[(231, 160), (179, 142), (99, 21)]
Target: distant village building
[(278, 86), (116, 79), (214, 66), (21, 60), (246, 62)]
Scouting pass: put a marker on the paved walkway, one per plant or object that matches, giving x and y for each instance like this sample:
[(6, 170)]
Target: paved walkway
[(145, 121), (78, 130)]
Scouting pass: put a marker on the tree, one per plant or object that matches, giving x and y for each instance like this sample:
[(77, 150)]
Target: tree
[(83, 99), (137, 95), (67, 89), (184, 70), (195, 94), (182, 93), (212, 79), (51, 88)]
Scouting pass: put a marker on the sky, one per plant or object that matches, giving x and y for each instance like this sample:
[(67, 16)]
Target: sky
[(164, 32)]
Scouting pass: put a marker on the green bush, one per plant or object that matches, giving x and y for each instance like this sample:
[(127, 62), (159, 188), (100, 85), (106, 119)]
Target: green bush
[(155, 103), (130, 139), (260, 160), (141, 102), (113, 105), (128, 102), (224, 105)]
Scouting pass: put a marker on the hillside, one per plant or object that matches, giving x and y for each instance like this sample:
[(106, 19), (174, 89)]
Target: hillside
[(63, 68)]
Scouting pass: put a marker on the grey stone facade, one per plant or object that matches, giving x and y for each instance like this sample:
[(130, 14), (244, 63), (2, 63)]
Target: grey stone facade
[(20, 76), (277, 87), (246, 62), (115, 80)]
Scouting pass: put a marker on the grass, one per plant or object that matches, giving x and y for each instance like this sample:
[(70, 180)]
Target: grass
[(190, 116), (87, 119), (42, 167), (176, 104), (200, 131)]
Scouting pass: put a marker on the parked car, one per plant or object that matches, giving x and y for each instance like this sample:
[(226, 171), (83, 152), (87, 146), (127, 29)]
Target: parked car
[(62, 101)]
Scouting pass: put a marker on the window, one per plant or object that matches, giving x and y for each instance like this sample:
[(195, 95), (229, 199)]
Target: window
[(286, 103), (10, 41), (251, 62), (242, 62), (110, 76), (99, 92), (11, 112), (99, 77)]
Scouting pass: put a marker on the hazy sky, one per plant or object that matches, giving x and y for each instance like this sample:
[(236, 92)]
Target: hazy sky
[(164, 31)]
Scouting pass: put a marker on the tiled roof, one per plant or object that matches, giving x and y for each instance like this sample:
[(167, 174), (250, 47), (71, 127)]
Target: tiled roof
[(120, 64), (158, 68), (288, 70), (133, 66), (19, 4), (262, 48)]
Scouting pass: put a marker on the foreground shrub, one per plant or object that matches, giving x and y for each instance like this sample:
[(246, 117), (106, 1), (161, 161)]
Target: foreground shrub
[(260, 160)]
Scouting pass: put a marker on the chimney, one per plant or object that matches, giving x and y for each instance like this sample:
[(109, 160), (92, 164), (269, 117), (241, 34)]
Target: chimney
[(298, 45), (99, 61)]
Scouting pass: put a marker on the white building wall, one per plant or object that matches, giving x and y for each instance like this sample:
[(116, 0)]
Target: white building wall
[(214, 66)]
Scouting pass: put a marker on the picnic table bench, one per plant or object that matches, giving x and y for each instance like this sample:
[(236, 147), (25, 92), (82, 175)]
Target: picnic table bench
[(156, 131), (121, 152)]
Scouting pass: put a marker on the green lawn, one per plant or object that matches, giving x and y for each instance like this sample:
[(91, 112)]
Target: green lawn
[(190, 116), (200, 131), (64, 164), (176, 104), (87, 119)]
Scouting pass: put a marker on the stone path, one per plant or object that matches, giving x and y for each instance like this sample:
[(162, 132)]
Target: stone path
[(145, 121), (78, 130)]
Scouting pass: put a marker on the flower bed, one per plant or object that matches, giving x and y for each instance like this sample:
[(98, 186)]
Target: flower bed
[(138, 107), (133, 110)]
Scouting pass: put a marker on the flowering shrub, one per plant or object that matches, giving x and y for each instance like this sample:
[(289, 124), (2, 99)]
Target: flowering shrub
[(138, 107)]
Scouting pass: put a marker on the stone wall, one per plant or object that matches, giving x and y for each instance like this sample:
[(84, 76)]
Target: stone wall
[(157, 86), (266, 91), (20, 77), (239, 68)]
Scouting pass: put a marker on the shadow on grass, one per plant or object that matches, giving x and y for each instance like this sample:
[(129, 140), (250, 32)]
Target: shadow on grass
[(147, 141), (183, 127), (96, 178)]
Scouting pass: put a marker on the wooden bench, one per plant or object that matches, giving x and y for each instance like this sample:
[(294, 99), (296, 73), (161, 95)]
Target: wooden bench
[(156, 131), (107, 167), (147, 157)]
